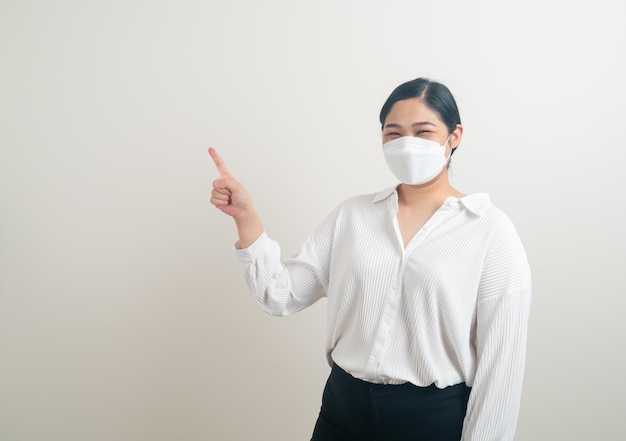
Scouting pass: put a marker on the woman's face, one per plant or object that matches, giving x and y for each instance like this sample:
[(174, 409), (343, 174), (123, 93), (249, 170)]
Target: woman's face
[(412, 117)]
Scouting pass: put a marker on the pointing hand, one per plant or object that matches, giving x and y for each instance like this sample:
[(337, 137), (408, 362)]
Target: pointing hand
[(228, 194)]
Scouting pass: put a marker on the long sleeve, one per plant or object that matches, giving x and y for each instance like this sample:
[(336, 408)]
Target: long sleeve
[(283, 287), (502, 311)]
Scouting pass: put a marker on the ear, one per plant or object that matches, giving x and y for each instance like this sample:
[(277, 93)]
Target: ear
[(455, 137)]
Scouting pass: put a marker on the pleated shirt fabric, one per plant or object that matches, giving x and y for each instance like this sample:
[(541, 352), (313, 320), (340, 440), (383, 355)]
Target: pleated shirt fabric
[(452, 307)]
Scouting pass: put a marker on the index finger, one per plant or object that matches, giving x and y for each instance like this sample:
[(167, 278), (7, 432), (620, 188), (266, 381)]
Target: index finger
[(219, 163)]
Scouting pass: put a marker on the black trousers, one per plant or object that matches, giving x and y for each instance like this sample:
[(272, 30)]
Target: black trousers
[(355, 410)]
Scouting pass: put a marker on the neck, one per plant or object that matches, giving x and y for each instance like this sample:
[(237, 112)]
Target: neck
[(431, 194)]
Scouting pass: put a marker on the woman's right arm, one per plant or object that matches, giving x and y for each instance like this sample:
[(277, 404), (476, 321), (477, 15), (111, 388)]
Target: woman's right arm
[(280, 287)]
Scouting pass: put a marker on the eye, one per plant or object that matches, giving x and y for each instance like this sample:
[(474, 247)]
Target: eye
[(423, 132), (392, 134)]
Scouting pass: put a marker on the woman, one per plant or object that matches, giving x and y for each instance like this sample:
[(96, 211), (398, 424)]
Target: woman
[(428, 289)]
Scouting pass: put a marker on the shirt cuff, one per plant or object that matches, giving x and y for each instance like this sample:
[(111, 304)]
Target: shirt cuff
[(254, 251)]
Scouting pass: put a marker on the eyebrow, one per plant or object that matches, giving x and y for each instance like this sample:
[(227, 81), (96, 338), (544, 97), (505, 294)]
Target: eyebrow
[(398, 126)]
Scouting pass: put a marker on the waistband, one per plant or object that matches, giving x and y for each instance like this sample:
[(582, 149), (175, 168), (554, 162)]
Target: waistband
[(375, 389)]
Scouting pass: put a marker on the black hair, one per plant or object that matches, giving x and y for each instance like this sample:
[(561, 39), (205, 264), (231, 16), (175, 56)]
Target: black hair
[(436, 95)]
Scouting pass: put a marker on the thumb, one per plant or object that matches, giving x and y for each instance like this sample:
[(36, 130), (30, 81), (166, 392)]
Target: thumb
[(221, 183), (228, 185)]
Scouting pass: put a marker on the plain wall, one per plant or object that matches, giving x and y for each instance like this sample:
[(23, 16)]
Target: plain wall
[(123, 313)]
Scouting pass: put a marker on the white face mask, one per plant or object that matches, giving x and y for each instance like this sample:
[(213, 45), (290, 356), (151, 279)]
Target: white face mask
[(415, 160)]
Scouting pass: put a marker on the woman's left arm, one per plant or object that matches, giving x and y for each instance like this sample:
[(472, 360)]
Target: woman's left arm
[(502, 312)]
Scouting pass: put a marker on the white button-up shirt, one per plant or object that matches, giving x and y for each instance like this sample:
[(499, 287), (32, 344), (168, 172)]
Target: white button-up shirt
[(452, 307)]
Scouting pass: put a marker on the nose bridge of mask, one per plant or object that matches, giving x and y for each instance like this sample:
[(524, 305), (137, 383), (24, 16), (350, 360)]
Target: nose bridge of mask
[(414, 142)]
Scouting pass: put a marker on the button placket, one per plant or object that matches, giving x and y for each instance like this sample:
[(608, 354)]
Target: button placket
[(383, 333)]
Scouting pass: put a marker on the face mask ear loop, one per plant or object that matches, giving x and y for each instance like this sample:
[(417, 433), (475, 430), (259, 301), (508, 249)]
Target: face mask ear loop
[(451, 149)]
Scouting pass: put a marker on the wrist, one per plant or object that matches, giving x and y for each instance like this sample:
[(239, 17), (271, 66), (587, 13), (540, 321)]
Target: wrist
[(249, 228), (247, 218)]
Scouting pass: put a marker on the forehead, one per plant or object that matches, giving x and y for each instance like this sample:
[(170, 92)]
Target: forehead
[(412, 110)]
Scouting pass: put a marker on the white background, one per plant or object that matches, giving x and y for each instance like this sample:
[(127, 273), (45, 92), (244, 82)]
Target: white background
[(123, 314)]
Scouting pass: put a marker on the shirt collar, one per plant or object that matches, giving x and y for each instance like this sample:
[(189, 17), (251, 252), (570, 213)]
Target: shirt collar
[(384, 194), (477, 203)]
